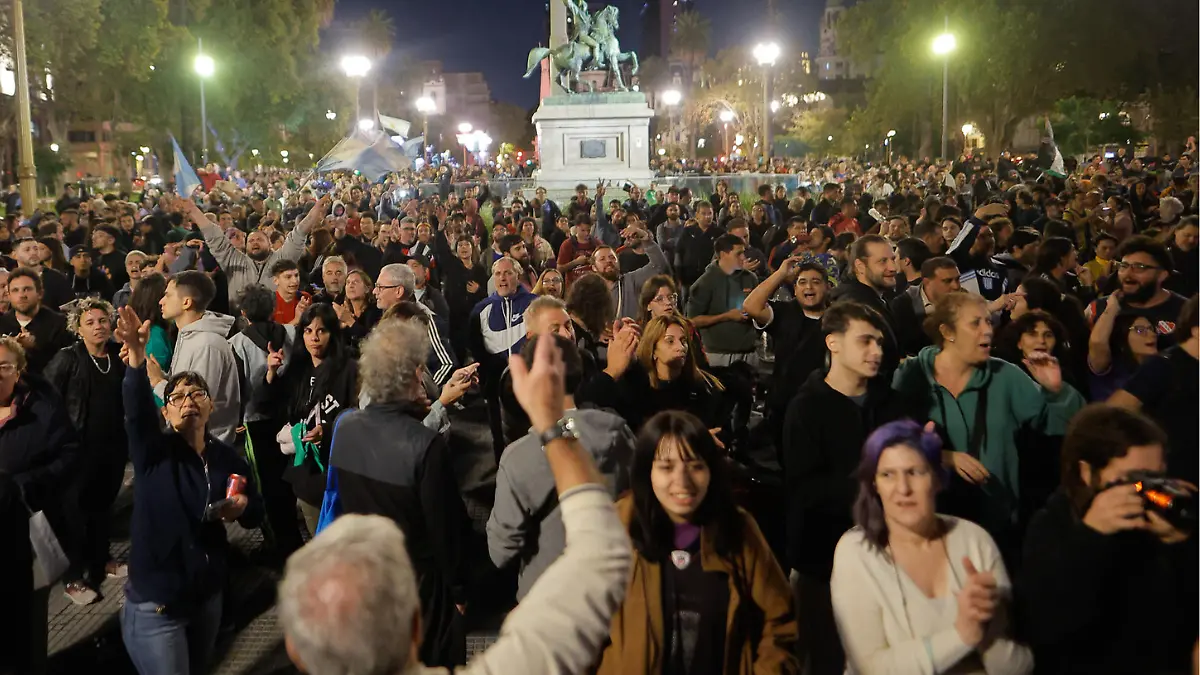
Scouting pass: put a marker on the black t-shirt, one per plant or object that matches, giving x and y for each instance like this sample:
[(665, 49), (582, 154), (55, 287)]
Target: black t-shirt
[(1163, 316), (695, 607), (1167, 384), (631, 260), (799, 350), (104, 413)]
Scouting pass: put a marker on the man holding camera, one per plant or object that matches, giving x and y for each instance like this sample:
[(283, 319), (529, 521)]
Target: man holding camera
[(1109, 579)]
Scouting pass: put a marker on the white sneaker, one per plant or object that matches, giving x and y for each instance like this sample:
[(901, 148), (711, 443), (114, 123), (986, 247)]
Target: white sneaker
[(80, 594)]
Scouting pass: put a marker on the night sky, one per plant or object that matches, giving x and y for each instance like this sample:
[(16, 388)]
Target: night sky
[(495, 36)]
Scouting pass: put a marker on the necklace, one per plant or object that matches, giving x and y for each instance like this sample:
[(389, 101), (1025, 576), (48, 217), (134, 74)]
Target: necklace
[(107, 363)]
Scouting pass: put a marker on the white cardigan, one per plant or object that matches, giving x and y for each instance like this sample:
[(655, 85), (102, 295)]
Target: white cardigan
[(881, 635)]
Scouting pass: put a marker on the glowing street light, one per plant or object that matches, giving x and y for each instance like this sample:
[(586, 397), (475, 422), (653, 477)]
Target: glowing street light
[(727, 116), (830, 139), (254, 152), (54, 147), (942, 46), (465, 128), (426, 106), (891, 133), (774, 106), (968, 129), (766, 54), (366, 124), (662, 151), (672, 97), (205, 67), (1103, 116), (330, 115), (356, 67), (283, 154)]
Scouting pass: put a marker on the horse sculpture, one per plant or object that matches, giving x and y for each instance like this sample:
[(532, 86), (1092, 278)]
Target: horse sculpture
[(568, 60), (604, 32)]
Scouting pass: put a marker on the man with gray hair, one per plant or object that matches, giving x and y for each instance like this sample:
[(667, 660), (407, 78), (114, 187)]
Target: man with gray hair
[(411, 482), (348, 604), (333, 280), (397, 283)]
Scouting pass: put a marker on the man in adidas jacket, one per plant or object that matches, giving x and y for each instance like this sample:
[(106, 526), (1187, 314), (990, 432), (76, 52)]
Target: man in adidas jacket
[(497, 330)]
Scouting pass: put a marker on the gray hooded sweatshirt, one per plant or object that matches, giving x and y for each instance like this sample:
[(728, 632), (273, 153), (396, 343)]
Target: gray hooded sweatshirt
[(526, 523), (201, 348)]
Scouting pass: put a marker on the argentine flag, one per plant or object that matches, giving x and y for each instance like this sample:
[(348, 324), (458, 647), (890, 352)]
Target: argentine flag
[(186, 180)]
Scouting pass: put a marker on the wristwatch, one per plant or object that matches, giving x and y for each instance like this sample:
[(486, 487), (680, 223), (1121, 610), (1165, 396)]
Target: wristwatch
[(563, 428)]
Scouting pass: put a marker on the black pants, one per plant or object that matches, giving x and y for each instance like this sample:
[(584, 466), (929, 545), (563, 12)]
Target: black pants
[(491, 393), (278, 499), (93, 493), (819, 648)]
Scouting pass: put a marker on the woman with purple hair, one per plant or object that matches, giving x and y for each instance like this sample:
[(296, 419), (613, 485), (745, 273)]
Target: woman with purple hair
[(914, 591)]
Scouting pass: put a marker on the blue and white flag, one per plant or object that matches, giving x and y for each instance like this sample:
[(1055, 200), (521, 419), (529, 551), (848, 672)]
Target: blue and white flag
[(186, 180), (414, 147)]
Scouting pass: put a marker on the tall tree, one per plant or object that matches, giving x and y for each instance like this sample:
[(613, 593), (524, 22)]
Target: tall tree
[(691, 37)]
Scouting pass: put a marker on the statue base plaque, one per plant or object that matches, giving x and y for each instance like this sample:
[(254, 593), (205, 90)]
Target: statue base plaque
[(591, 136)]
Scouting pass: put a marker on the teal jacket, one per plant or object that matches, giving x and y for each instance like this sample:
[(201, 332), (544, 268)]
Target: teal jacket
[(1014, 400)]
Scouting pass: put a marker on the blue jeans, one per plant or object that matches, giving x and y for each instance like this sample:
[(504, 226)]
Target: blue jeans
[(170, 645)]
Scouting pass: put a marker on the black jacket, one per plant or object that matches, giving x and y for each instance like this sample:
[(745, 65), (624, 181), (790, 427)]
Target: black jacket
[(856, 291), (635, 399), (694, 252), (65, 372), (1094, 603), (57, 289), (177, 559), (389, 464), (311, 397), (908, 311), (823, 435), (39, 450), (50, 334)]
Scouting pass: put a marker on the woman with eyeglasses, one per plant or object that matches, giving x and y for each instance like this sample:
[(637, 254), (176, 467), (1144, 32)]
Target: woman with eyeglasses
[(88, 376), (184, 493), (319, 383), (915, 591), (1119, 344), (660, 297), (706, 595), (550, 283)]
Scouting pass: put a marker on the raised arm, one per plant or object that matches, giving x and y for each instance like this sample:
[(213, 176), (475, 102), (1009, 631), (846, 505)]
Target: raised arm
[(141, 412), (228, 257), (293, 244), (563, 622), (1099, 352), (757, 304)]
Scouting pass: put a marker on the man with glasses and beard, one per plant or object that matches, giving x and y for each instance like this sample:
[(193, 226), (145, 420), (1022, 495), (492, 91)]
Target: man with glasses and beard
[(1143, 266)]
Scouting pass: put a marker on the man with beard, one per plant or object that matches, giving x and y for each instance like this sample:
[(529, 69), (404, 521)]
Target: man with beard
[(56, 289), (109, 259), (939, 278), (333, 280), (254, 265), (716, 304), (669, 231), (873, 269), (625, 288), (574, 255), (795, 327), (40, 330), (830, 204), (580, 204), (1143, 267)]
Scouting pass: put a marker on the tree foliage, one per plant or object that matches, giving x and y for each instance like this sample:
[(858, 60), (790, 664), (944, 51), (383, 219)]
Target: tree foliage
[(1015, 60)]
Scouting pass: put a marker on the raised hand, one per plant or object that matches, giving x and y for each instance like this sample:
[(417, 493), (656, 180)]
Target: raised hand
[(133, 333), (155, 371), (621, 349), (1045, 369), (274, 362), (977, 603), (344, 315)]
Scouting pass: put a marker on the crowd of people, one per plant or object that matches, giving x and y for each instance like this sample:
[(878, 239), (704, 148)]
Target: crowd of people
[(974, 386)]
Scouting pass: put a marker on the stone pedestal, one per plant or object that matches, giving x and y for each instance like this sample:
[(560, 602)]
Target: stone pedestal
[(586, 137)]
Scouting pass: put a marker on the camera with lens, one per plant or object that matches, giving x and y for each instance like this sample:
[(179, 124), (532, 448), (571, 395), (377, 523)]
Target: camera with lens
[(1168, 497)]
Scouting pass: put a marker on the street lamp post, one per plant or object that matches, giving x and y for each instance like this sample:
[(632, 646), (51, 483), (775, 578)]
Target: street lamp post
[(967, 130), (356, 68), (671, 99), (766, 54), (25, 171), (204, 68), (891, 136), (942, 46), (727, 117), (425, 105)]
